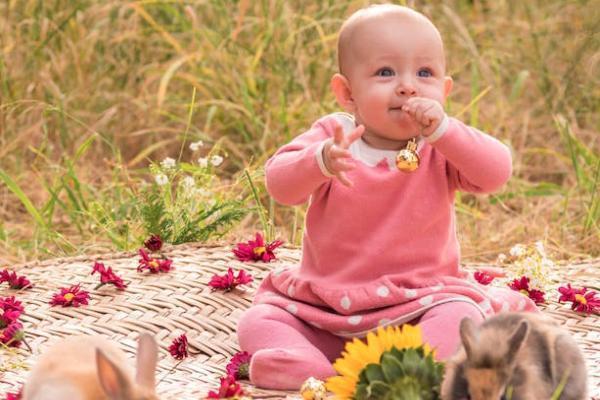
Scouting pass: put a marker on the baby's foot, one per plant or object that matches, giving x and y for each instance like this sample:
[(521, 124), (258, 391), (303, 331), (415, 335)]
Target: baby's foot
[(287, 369)]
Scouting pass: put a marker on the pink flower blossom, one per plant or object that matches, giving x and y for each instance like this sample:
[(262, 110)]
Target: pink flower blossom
[(228, 388), (522, 285), (70, 297), (154, 243), (179, 347), (483, 277), (256, 250), (583, 300), (12, 335), (14, 281), (107, 276), (239, 365), (228, 282), (154, 265)]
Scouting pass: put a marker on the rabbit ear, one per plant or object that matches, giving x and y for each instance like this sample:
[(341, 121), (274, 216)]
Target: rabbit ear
[(147, 354), (516, 340), (467, 335), (114, 382)]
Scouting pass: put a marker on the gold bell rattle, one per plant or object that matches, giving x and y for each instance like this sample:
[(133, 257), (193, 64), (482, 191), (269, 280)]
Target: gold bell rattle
[(407, 159)]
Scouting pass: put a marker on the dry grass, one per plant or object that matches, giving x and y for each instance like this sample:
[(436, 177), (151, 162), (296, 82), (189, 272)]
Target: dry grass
[(91, 91)]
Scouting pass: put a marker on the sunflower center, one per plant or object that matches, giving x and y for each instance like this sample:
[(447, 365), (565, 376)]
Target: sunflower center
[(259, 251), (69, 296), (153, 264), (581, 299)]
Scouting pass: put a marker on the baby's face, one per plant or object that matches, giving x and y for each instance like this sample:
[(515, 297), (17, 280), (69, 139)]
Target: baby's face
[(391, 59)]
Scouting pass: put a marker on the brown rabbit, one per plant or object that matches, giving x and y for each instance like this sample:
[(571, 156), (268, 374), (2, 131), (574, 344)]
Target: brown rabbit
[(93, 368), (516, 356)]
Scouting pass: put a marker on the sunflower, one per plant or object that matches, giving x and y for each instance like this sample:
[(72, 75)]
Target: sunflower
[(358, 355)]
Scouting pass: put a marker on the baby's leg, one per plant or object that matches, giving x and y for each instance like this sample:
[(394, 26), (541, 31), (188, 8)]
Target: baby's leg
[(285, 351), (440, 326)]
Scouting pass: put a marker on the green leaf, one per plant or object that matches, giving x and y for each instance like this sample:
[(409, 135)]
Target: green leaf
[(16, 189), (392, 369), (378, 390), (373, 373)]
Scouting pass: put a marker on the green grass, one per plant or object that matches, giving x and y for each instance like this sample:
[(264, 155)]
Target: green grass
[(92, 93)]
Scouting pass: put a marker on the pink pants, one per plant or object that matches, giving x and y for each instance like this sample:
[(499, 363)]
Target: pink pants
[(286, 351)]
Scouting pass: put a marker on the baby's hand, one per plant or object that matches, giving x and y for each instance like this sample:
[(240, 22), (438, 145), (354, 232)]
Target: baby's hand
[(427, 113), (336, 156)]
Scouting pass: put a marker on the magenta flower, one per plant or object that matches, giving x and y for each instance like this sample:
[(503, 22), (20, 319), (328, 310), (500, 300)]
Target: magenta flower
[(483, 277), (12, 335), (107, 276), (228, 388), (256, 250), (239, 366), (522, 285), (228, 281), (583, 300), (15, 396), (154, 265), (153, 243), (14, 281), (8, 304), (179, 347), (70, 297)]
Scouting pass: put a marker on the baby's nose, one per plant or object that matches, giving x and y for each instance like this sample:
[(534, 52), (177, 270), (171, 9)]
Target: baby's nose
[(406, 89)]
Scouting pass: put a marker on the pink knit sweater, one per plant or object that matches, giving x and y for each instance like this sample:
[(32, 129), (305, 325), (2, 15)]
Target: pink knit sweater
[(401, 225), (384, 251)]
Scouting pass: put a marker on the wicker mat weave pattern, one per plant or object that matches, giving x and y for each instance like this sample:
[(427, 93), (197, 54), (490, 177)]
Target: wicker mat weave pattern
[(182, 302)]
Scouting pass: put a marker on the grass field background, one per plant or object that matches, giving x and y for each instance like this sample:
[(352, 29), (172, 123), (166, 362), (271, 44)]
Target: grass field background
[(92, 93)]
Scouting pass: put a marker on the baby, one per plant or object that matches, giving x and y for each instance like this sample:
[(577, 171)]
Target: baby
[(379, 245)]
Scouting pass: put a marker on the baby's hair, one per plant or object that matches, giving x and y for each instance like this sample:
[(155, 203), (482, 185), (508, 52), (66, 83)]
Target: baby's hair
[(362, 15)]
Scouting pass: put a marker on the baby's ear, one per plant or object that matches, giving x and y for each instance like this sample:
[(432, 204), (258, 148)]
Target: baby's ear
[(448, 83), (342, 91)]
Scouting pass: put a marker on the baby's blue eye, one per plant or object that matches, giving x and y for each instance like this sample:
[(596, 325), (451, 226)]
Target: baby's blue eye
[(385, 72), (424, 73)]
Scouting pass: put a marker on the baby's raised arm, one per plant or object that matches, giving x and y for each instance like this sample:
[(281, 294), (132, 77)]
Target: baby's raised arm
[(293, 173)]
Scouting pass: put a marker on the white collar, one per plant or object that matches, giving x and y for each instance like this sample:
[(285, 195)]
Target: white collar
[(360, 150)]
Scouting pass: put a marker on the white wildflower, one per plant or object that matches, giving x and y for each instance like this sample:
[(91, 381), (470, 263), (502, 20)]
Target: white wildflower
[(203, 162), (202, 192), (539, 246), (188, 182), (501, 258), (216, 160), (195, 146), (161, 179), (168, 163), (517, 250)]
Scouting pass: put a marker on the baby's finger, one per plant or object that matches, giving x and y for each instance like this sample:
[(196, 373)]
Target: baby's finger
[(420, 112), (342, 165), (354, 135), (344, 179), (411, 105), (431, 115), (338, 134), (336, 151)]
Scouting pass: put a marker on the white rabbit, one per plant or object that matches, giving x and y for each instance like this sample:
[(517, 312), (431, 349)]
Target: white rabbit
[(517, 356), (93, 368)]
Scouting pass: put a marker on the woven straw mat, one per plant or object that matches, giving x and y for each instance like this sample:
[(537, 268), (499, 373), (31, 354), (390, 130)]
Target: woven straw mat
[(169, 304)]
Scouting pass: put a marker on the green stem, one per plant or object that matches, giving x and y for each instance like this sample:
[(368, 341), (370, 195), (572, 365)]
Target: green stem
[(260, 208)]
